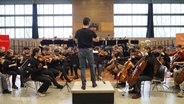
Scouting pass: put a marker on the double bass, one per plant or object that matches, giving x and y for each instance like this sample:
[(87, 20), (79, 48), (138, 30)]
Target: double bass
[(139, 67)]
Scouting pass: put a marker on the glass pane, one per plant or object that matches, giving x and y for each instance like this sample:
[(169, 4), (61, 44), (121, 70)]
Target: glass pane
[(122, 20), (161, 8), (67, 20), (9, 9), (19, 21), (28, 9), (67, 32), (45, 21), (28, 32), (162, 20), (19, 9), (2, 31), (2, 21), (10, 32), (139, 32), (19, 33), (9, 21), (2, 9), (28, 21), (122, 8), (67, 9), (162, 32), (45, 32), (139, 8), (58, 8), (122, 32), (139, 20), (45, 9), (58, 32)]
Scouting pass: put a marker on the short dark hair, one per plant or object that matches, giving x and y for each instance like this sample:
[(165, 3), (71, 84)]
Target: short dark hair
[(147, 48), (86, 21), (160, 47)]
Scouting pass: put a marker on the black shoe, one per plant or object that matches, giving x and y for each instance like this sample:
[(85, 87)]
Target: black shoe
[(15, 87), (22, 85), (6, 91), (132, 92), (60, 86)]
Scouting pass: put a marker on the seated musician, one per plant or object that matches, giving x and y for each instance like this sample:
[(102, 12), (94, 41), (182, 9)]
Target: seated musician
[(2, 51), (146, 75), (48, 68), (3, 78), (10, 67), (75, 62), (178, 56), (177, 71), (58, 61), (98, 58), (115, 64), (36, 73), (163, 59)]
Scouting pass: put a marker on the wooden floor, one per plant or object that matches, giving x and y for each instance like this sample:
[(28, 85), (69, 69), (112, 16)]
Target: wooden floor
[(64, 96)]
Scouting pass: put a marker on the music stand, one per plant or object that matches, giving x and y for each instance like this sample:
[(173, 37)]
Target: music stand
[(100, 43), (111, 42), (67, 85), (134, 41), (46, 42)]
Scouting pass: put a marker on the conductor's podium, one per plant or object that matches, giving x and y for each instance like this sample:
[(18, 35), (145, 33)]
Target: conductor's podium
[(102, 94)]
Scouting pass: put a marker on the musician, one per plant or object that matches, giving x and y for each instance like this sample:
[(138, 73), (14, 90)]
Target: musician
[(2, 51), (75, 62), (36, 73), (146, 75), (98, 59), (58, 61), (3, 78), (176, 73), (10, 67), (163, 59), (179, 51)]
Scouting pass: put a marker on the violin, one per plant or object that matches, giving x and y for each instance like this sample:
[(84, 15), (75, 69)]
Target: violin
[(28, 54), (41, 58)]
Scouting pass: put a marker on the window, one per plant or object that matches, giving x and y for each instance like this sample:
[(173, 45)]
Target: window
[(16, 20), (130, 20), (55, 20)]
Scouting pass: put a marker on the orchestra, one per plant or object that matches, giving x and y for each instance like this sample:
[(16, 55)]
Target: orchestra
[(128, 65)]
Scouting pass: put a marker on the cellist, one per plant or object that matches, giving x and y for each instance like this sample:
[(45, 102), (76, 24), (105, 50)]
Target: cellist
[(146, 75)]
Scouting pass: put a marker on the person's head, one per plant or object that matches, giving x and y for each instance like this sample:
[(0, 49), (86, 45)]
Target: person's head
[(178, 47), (26, 50), (36, 52), (2, 49), (147, 50), (160, 48), (86, 21)]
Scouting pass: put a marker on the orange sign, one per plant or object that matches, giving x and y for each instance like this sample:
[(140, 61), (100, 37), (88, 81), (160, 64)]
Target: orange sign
[(5, 41)]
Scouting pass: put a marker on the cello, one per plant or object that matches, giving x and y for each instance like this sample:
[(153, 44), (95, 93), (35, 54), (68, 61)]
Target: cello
[(175, 58), (180, 78), (139, 67), (123, 75), (158, 62)]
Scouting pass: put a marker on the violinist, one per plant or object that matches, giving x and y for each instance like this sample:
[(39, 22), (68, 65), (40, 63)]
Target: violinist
[(48, 67), (146, 75), (3, 78), (10, 66), (2, 51), (36, 72), (98, 59), (58, 64)]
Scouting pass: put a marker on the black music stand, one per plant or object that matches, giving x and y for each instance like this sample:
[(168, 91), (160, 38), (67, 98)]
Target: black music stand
[(134, 41), (111, 42), (58, 42), (67, 85), (46, 42), (100, 43), (121, 42)]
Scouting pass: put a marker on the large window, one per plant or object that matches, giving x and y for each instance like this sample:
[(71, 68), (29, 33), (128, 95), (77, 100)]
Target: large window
[(168, 19), (16, 20), (130, 20), (55, 20)]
